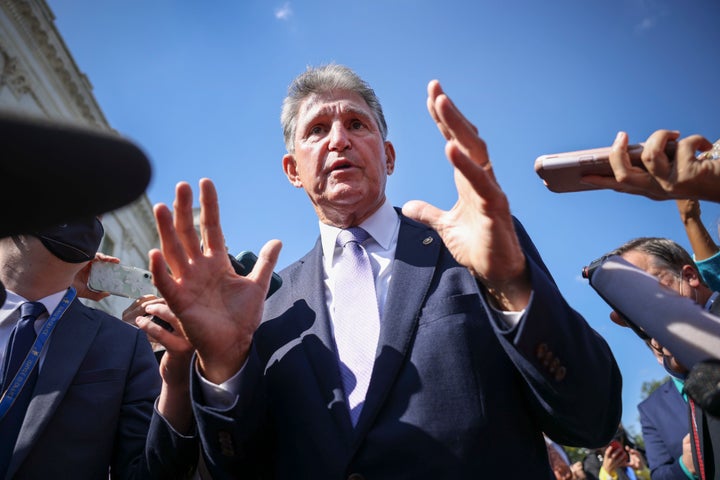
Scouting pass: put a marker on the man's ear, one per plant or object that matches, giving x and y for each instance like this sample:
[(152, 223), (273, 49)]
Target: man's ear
[(290, 169), (691, 275), (389, 158)]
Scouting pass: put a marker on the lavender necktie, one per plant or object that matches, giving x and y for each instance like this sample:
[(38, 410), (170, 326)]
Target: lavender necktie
[(356, 317)]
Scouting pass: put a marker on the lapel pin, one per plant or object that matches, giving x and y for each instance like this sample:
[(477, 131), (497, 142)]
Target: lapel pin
[(428, 241)]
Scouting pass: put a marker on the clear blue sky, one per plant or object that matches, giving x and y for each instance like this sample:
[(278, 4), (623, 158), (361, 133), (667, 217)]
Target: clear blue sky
[(199, 86)]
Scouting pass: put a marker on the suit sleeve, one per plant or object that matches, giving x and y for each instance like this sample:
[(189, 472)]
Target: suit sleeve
[(165, 458), (662, 464), (169, 454), (235, 441), (571, 376)]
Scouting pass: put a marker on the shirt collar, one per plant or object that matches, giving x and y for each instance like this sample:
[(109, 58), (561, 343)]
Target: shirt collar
[(14, 301), (381, 226)]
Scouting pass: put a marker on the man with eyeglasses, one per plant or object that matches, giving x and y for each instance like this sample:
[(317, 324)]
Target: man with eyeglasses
[(672, 452)]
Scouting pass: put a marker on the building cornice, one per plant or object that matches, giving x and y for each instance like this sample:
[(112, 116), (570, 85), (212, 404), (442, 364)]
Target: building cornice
[(35, 21)]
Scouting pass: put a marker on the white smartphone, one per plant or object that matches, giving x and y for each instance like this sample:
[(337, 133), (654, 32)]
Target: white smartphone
[(561, 172), (121, 280)]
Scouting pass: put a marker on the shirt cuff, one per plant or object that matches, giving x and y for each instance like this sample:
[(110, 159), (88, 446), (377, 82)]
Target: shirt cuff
[(169, 426), (222, 396), (510, 319)]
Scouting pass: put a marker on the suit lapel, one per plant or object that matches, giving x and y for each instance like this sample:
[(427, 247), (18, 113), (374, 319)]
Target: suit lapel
[(68, 345), (413, 268)]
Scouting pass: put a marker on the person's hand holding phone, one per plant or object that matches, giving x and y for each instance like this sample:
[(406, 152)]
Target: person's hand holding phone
[(686, 174), (137, 309), (615, 457), (636, 460), (83, 276)]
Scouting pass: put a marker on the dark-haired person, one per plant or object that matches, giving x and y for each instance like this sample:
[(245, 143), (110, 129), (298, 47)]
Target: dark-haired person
[(674, 268), (80, 403)]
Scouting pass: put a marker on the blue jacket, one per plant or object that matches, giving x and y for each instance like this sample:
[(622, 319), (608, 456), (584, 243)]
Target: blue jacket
[(454, 392)]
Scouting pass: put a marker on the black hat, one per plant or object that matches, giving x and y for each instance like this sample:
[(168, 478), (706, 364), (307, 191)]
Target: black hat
[(54, 172)]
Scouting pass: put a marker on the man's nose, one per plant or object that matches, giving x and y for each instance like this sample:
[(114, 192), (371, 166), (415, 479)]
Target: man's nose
[(339, 138)]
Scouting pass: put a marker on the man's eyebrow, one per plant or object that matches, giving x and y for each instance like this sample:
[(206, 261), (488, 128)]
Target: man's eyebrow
[(345, 110), (356, 111)]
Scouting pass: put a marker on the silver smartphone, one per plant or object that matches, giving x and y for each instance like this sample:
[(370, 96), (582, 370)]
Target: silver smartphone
[(121, 280)]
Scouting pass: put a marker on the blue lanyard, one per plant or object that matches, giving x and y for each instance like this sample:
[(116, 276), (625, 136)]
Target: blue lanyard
[(33, 355)]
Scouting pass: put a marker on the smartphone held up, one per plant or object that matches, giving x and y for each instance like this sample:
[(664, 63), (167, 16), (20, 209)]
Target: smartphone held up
[(122, 280), (563, 172)]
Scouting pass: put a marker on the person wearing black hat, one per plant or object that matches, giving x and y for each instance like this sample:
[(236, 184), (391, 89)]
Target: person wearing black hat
[(78, 403), (74, 172)]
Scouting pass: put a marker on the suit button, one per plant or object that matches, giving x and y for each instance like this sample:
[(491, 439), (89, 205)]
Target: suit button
[(541, 351), (560, 374), (356, 476)]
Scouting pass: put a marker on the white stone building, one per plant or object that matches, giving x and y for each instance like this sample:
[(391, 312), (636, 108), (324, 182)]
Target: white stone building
[(38, 76)]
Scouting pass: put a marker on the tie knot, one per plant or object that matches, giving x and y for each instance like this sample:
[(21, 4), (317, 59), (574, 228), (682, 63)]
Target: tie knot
[(352, 234), (31, 309)]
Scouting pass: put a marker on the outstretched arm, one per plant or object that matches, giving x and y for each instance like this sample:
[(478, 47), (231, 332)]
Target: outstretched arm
[(218, 310), (701, 241), (478, 230)]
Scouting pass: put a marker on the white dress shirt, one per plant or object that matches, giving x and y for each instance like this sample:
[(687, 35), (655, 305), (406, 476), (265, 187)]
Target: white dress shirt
[(383, 227)]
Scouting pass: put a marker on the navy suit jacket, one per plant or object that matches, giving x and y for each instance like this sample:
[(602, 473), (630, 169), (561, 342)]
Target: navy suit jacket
[(92, 405), (665, 422), (454, 393)]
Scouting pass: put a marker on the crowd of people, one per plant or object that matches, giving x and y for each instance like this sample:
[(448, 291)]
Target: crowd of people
[(408, 343)]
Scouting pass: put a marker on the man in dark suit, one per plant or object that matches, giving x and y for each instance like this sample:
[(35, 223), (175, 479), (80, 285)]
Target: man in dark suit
[(675, 269), (664, 422), (477, 352), (85, 409)]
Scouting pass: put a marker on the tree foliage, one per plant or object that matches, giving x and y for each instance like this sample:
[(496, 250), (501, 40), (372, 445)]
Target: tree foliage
[(651, 385), (576, 454)]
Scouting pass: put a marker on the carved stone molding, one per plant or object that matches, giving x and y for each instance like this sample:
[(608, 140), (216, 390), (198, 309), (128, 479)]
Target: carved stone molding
[(36, 21), (12, 74)]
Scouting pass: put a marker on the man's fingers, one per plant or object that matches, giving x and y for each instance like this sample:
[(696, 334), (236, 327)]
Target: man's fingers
[(161, 278), (434, 90), (174, 252), (464, 133), (479, 175), (267, 259), (422, 212), (184, 220), (211, 232)]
